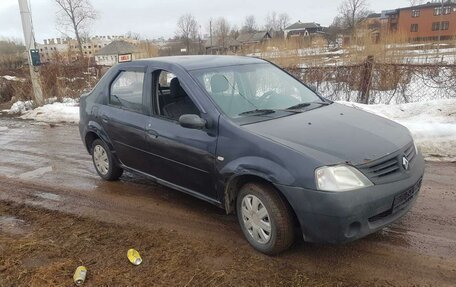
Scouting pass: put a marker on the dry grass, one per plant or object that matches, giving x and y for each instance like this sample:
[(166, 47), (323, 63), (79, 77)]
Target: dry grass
[(53, 244), (57, 80), (313, 51)]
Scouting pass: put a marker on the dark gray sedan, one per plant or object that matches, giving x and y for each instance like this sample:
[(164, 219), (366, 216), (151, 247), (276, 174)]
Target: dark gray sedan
[(248, 137)]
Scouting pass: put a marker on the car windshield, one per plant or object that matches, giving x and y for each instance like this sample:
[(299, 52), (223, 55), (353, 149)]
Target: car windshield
[(255, 89)]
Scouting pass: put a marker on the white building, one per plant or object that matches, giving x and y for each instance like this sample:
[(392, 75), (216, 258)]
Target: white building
[(109, 55), (68, 51)]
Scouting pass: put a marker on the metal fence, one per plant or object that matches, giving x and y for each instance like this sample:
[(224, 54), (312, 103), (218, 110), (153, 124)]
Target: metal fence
[(372, 82)]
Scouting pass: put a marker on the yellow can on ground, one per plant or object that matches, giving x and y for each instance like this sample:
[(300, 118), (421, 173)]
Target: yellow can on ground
[(80, 275), (134, 257)]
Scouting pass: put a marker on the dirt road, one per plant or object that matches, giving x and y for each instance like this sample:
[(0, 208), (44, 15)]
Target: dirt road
[(47, 179)]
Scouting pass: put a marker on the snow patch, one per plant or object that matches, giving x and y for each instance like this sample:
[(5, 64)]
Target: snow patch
[(13, 78), (67, 111), (52, 111), (20, 107)]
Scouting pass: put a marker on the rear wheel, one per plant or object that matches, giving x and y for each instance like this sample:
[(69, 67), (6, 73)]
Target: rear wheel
[(265, 218), (104, 162)]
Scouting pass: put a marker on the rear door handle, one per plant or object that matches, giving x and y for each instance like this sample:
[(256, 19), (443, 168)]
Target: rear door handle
[(105, 119)]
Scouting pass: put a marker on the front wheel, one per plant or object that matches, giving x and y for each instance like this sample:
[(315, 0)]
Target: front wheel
[(104, 162), (265, 218)]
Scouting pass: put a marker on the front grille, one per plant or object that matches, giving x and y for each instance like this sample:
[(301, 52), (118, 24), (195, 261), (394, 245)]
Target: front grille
[(384, 168), (410, 153), (388, 168)]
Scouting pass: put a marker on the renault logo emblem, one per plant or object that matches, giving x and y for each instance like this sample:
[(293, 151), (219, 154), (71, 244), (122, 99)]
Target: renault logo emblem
[(405, 163)]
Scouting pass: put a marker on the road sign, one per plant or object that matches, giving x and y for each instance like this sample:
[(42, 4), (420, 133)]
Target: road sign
[(125, 58), (35, 57)]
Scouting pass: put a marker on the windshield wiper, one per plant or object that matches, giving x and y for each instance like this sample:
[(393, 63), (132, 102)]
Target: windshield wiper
[(322, 103), (257, 112), (299, 106), (305, 105)]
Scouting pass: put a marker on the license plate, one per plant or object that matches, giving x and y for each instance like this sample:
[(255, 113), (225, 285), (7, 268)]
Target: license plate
[(401, 200)]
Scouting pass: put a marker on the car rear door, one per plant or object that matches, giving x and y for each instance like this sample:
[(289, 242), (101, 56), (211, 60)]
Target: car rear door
[(181, 156), (125, 115)]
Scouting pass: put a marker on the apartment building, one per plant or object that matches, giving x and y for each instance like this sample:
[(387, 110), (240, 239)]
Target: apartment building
[(427, 22), (67, 51)]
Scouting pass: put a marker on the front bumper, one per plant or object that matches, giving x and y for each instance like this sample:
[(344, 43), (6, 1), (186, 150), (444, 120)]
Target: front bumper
[(338, 217)]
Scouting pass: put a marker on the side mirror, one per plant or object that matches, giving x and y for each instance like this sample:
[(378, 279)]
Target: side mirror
[(191, 121)]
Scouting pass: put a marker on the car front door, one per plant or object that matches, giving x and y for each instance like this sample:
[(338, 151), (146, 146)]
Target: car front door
[(125, 115), (181, 156)]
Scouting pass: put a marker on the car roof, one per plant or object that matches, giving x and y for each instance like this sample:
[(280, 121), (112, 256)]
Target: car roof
[(203, 61)]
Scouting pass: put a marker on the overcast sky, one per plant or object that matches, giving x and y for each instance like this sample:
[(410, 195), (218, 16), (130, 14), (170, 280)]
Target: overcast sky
[(153, 18)]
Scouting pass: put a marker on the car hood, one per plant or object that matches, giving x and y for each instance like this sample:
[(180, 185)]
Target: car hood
[(342, 133)]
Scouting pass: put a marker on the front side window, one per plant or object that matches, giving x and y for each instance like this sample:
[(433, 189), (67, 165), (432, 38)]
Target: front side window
[(127, 91), (240, 90), (172, 101)]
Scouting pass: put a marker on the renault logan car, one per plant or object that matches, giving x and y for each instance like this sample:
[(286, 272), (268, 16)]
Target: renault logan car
[(245, 135)]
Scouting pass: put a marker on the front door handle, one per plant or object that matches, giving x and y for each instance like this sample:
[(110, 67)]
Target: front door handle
[(105, 119), (151, 132)]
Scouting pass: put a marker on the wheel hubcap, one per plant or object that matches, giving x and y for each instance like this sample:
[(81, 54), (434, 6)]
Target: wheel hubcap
[(256, 219), (100, 158)]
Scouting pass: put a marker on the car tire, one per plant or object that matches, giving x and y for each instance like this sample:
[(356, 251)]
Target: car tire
[(259, 206), (104, 162)]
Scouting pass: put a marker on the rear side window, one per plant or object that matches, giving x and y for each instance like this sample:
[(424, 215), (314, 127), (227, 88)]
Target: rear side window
[(127, 91)]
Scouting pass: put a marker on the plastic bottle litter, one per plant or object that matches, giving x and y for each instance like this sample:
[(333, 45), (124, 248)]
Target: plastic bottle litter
[(80, 275), (134, 257)]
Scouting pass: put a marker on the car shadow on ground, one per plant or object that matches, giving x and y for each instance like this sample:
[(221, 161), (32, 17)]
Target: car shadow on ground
[(143, 187)]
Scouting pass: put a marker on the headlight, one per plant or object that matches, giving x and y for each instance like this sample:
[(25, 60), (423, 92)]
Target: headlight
[(340, 178), (414, 143)]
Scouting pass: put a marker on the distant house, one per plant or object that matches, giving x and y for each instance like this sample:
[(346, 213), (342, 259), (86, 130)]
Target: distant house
[(218, 45), (253, 38), (303, 29), (370, 26), (109, 55)]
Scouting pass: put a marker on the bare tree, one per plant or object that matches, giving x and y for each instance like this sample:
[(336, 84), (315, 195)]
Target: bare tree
[(250, 24), (75, 16), (221, 30), (351, 12), (271, 22), (148, 49), (234, 32), (333, 31), (133, 35), (283, 21), (187, 30)]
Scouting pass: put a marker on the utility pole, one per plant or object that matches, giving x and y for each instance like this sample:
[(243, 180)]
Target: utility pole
[(29, 38), (210, 33)]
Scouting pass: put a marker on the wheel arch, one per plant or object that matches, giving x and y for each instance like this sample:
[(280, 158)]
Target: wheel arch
[(90, 137), (96, 131), (236, 182), (251, 168)]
